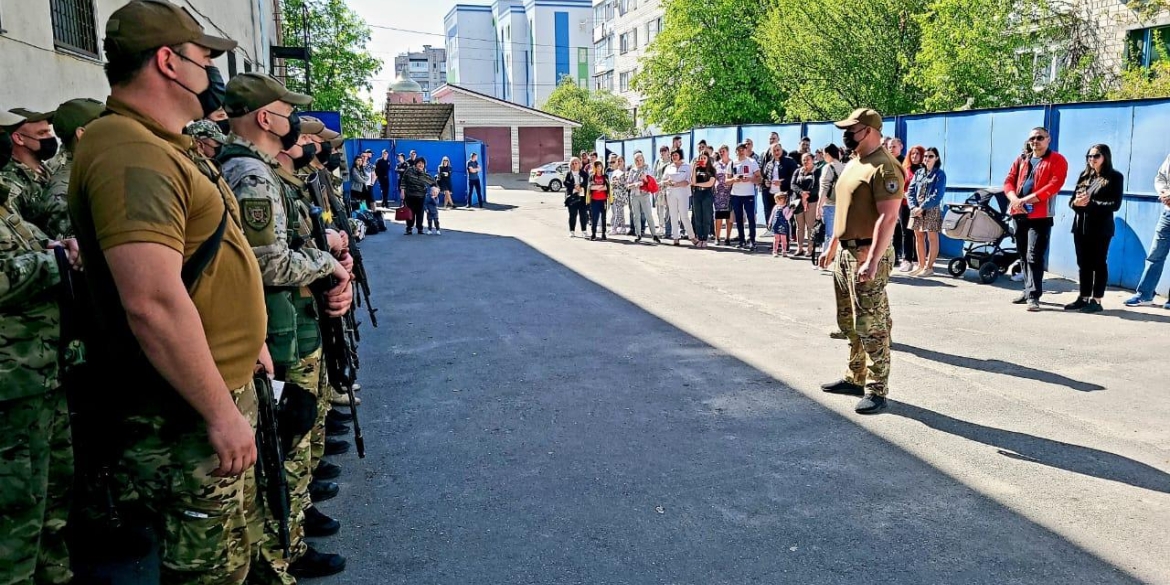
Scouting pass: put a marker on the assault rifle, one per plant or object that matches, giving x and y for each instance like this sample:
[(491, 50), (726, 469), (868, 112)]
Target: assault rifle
[(339, 349), (270, 462), (317, 186)]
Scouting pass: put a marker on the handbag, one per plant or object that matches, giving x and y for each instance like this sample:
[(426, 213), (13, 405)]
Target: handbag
[(403, 214), (649, 185)]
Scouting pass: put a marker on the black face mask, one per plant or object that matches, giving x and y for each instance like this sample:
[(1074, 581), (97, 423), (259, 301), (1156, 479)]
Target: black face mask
[(323, 154), (294, 130), (334, 162), (308, 151), (212, 98), (43, 151), (5, 149), (850, 141), (224, 126)]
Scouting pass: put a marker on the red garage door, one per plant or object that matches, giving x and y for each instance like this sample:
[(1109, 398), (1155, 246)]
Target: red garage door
[(499, 142), (541, 145)]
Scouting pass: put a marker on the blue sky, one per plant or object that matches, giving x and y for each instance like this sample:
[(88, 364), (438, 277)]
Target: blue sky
[(425, 16)]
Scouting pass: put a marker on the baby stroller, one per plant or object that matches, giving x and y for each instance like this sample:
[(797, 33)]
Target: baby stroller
[(984, 229)]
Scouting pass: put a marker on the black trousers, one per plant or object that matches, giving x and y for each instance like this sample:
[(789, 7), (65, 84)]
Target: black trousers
[(905, 246), (1092, 254), (473, 186), (578, 210), (1032, 236), (416, 209), (598, 212), (384, 185)]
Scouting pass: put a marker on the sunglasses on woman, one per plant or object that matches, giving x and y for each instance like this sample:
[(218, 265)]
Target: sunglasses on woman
[(1094, 156)]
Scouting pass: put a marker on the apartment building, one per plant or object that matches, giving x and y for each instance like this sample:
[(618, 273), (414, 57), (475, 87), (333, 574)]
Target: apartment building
[(51, 50), (427, 68), (528, 46), (622, 30)]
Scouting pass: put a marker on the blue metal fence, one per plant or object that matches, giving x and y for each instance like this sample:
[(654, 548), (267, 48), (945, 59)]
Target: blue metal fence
[(978, 148)]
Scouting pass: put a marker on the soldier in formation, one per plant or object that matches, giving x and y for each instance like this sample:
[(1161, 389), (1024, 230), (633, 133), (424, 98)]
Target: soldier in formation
[(208, 264)]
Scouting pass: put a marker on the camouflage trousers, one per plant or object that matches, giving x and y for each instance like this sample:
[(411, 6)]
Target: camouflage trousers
[(298, 469), (202, 520), (36, 477), (863, 314)]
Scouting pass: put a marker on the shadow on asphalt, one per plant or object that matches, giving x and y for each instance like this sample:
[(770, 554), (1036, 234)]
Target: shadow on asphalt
[(999, 367), (527, 425), (1066, 456)]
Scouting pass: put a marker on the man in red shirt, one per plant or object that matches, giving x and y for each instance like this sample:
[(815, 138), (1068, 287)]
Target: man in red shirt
[(1031, 187)]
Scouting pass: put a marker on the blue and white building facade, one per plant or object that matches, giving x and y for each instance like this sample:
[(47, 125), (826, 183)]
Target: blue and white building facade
[(526, 46)]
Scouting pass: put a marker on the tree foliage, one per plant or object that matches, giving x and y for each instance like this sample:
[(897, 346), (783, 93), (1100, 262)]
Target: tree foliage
[(830, 57), (599, 112), (703, 68), (1139, 83), (990, 53), (340, 67)]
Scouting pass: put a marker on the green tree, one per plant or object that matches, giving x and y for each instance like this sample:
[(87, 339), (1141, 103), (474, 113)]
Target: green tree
[(1139, 83), (705, 69), (340, 67), (599, 112), (830, 57), (991, 53)]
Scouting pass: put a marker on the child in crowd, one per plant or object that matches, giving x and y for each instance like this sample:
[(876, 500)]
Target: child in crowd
[(431, 205), (779, 225)]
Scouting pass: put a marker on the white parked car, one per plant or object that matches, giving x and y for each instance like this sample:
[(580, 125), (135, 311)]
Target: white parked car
[(550, 177)]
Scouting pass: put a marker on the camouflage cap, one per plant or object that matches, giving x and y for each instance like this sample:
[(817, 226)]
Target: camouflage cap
[(249, 92), (75, 114), (32, 115), (206, 129), (142, 25)]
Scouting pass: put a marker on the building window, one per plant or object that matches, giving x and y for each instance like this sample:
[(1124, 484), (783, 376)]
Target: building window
[(1147, 46), (624, 81), (624, 43), (231, 59), (652, 29), (633, 39), (73, 26), (247, 66)]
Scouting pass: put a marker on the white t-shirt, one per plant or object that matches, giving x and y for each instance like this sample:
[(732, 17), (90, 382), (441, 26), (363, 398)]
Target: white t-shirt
[(746, 167), (682, 172)]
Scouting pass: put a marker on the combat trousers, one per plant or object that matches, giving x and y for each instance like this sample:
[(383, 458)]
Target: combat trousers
[(36, 476), (205, 523), (863, 314)]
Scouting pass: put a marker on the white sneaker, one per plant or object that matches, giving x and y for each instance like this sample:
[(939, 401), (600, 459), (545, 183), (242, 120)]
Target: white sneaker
[(430, 231), (1018, 277), (572, 234), (438, 233)]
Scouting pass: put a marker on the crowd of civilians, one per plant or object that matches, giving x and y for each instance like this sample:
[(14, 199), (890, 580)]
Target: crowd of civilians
[(701, 198)]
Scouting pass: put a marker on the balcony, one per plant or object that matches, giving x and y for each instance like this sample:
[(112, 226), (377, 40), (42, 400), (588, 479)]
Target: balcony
[(602, 64), (600, 32)]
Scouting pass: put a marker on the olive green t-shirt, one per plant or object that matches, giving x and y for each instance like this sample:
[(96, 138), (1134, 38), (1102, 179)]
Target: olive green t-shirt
[(865, 181), (136, 182)]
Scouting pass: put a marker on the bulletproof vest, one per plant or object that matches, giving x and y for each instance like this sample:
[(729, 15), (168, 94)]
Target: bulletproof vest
[(292, 333)]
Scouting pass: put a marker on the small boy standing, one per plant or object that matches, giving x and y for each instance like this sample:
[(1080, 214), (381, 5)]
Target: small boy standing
[(431, 206), (779, 224)]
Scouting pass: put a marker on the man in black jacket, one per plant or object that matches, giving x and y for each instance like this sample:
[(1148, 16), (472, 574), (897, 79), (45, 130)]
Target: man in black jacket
[(416, 183), (382, 172)]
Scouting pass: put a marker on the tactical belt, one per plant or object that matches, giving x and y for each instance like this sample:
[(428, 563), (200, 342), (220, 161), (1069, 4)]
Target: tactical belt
[(856, 244)]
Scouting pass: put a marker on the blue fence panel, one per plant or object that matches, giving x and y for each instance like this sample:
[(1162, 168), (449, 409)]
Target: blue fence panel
[(822, 134), (1141, 215), (615, 146), (789, 136), (1152, 142), (599, 147), (1080, 126), (667, 141), (645, 145), (966, 153), (930, 130), (1009, 130), (716, 137)]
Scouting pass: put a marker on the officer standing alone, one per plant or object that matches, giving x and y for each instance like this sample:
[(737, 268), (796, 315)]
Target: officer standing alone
[(869, 193)]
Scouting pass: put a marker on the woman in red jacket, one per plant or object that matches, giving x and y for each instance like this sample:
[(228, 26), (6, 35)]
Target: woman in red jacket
[(1031, 187)]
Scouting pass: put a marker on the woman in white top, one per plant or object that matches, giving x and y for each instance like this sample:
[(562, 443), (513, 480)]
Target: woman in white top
[(678, 197)]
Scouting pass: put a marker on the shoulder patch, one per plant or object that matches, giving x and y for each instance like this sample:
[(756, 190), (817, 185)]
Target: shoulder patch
[(892, 186), (257, 213)]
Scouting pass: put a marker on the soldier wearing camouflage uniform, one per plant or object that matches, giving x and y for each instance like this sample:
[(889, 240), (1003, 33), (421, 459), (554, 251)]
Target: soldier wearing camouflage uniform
[(277, 227), (27, 175), (36, 466), (176, 296), (869, 193), (69, 125)]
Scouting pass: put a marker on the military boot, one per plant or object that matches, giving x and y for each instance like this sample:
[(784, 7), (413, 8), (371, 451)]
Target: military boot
[(314, 564)]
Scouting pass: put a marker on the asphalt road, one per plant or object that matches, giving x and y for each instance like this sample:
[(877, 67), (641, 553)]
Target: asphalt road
[(540, 409)]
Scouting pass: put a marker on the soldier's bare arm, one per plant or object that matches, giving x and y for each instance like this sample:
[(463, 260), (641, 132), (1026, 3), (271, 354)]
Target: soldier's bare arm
[(166, 324)]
